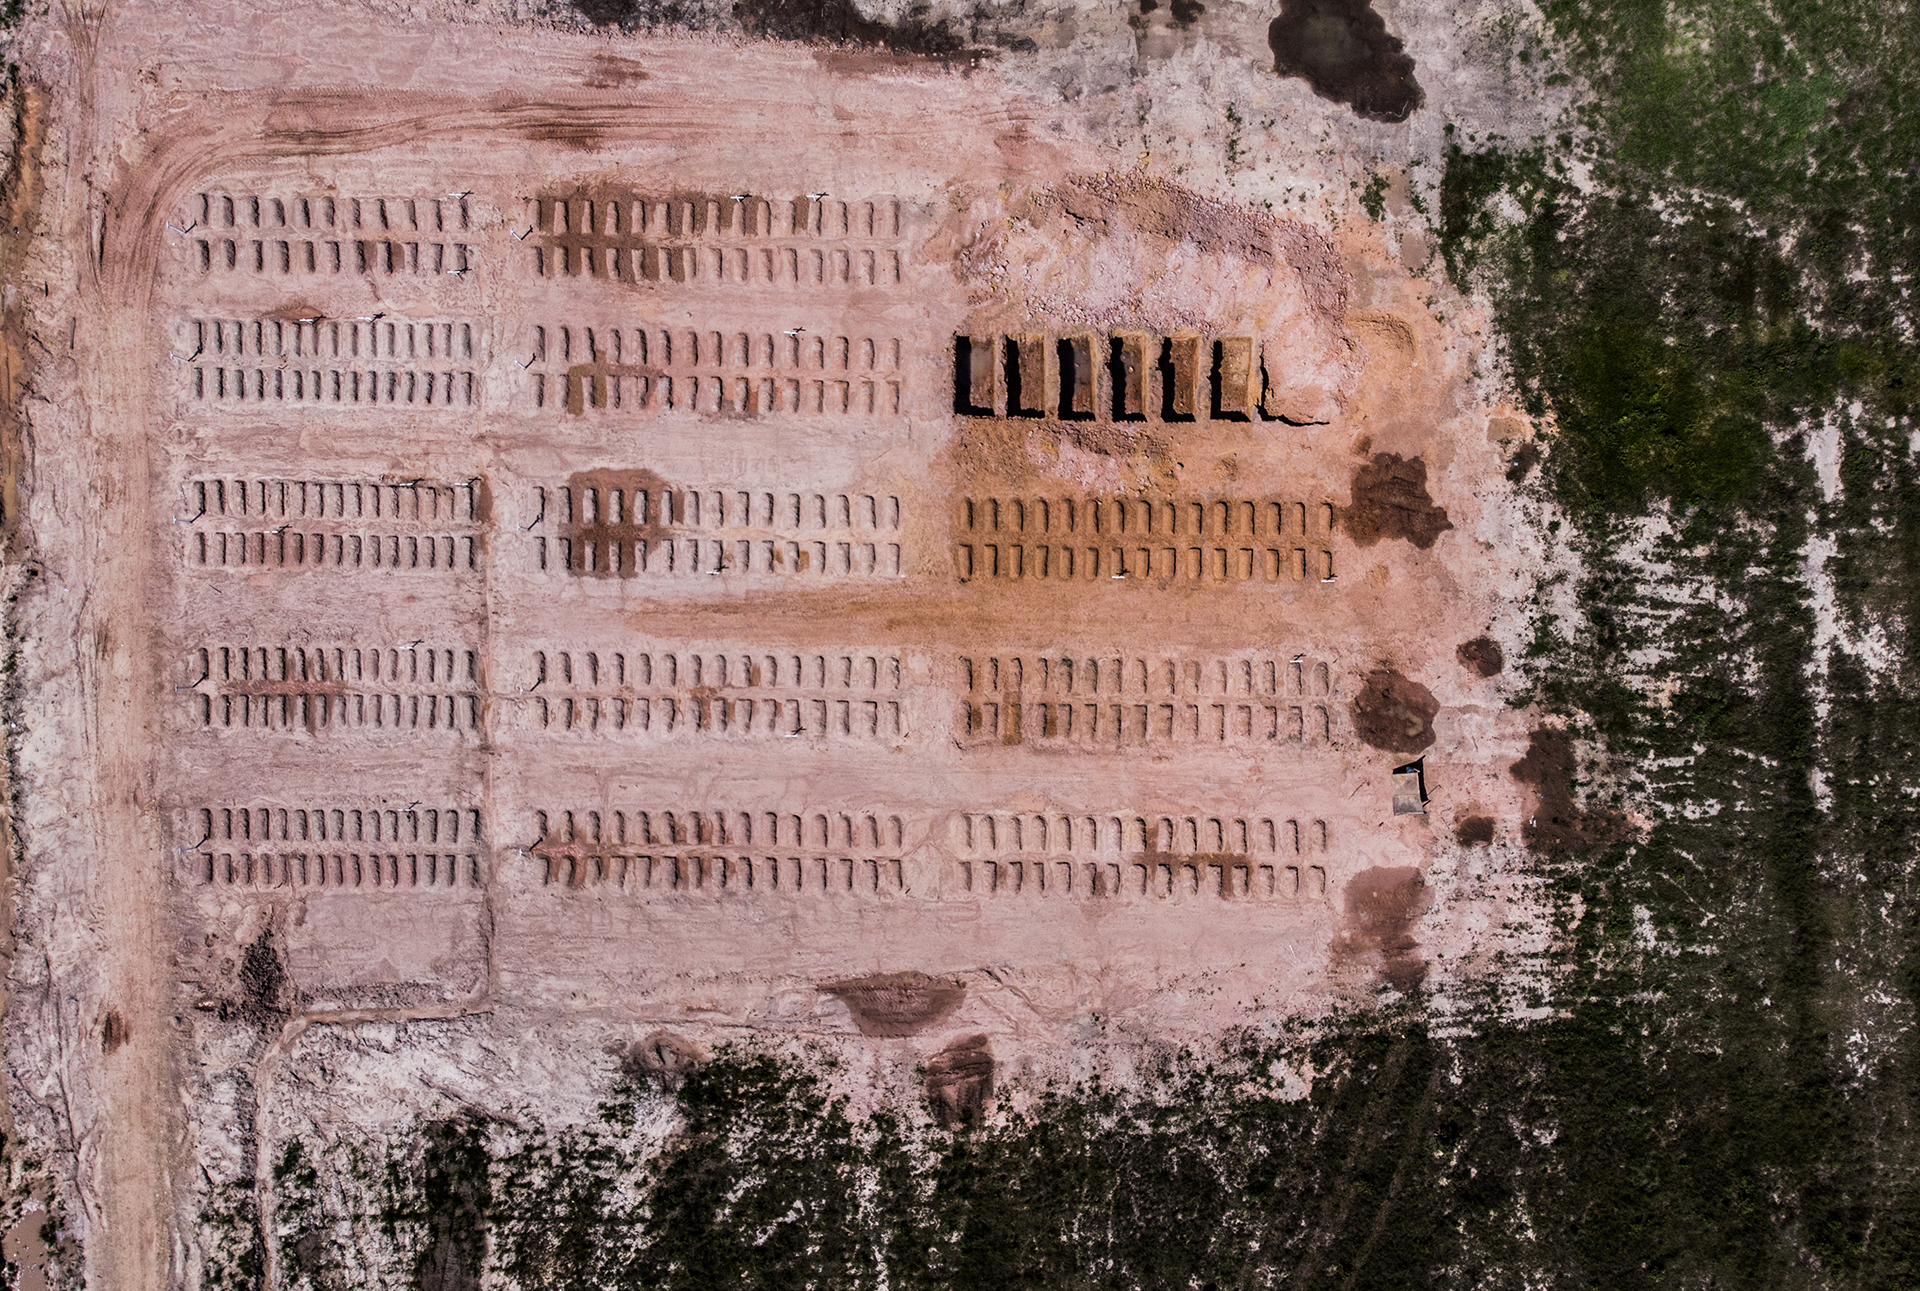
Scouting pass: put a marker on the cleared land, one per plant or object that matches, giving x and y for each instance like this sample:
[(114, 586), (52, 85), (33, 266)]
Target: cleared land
[(624, 543)]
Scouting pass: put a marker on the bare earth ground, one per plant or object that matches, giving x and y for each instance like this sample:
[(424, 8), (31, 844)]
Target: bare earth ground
[(591, 535)]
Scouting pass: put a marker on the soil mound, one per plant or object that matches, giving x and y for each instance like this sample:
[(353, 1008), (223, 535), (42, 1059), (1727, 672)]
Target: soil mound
[(1394, 713), (1483, 656), (898, 1004), (1341, 48), (959, 1080), (1390, 500), (663, 1058)]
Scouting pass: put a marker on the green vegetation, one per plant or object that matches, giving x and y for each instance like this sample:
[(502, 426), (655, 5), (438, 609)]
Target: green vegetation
[(230, 1238), (1373, 198), (1729, 281)]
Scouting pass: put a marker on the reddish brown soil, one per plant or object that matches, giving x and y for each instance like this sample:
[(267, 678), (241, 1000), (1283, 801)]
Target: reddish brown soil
[(1343, 49), (1382, 905), (1390, 500), (1394, 713), (1470, 831), (1558, 823), (898, 1004), (1483, 655), (959, 1081)]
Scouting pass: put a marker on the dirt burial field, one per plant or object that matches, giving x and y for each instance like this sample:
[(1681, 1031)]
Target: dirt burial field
[(611, 537)]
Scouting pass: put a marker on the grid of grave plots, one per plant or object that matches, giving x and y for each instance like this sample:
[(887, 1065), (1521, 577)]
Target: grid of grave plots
[(663, 241), (315, 690), (372, 362), (707, 851), (669, 694), (256, 524), (1103, 702), (723, 367), (631, 524), (365, 848), (1209, 542), (1142, 854), (295, 235)]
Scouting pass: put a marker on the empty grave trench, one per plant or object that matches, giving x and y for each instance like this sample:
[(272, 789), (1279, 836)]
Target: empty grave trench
[(1108, 726), (1104, 674), (668, 692), (793, 266), (610, 213), (1142, 856), (288, 689), (1224, 877), (339, 664), (225, 210), (985, 833), (664, 716), (244, 824), (386, 340), (717, 874), (577, 848), (327, 363), (628, 389), (840, 828), (298, 549), (316, 711), (310, 529), (615, 503), (620, 526), (794, 349), (361, 871), (415, 501), (846, 670), (617, 556), (335, 387), (1121, 377)]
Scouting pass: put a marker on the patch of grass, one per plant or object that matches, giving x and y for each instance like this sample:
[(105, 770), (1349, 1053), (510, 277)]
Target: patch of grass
[(1685, 317), (1373, 198)]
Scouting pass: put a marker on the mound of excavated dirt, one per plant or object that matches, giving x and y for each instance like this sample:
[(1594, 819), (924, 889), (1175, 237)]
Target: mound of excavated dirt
[(662, 1058), (898, 1004), (1343, 50), (1483, 655), (1394, 713), (959, 1080), (1390, 500), (1473, 830)]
